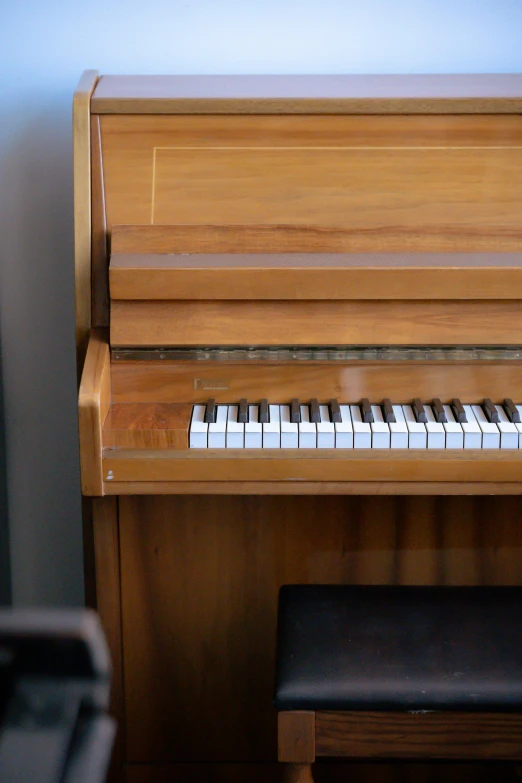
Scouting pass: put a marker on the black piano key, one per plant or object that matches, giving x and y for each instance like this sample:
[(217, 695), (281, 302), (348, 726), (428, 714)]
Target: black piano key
[(458, 411), (210, 412), (490, 411), (387, 411), (242, 415), (295, 412), (418, 411), (264, 412), (315, 415), (438, 411), (511, 411), (335, 412), (366, 411)]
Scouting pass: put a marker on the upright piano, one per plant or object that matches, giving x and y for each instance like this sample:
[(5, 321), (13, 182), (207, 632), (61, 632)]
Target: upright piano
[(299, 332)]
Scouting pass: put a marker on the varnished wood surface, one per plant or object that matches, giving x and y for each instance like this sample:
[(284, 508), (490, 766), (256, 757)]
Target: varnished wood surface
[(373, 488), (99, 254), (228, 382), (443, 735), (316, 276), (108, 605), (393, 184), (337, 465), (147, 426), (353, 94), (278, 238), (296, 736), (82, 210), (93, 405), (200, 577), (333, 322)]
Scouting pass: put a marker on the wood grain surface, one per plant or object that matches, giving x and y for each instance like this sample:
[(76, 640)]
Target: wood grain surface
[(200, 577), (443, 735), (82, 210), (426, 183), (279, 382), (309, 323), (316, 276), (366, 94), (94, 401), (147, 426), (337, 465)]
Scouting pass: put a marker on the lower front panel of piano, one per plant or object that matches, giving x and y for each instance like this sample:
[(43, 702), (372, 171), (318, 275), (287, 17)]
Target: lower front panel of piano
[(199, 579)]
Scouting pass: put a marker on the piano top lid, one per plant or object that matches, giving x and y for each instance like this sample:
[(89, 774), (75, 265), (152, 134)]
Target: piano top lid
[(313, 94)]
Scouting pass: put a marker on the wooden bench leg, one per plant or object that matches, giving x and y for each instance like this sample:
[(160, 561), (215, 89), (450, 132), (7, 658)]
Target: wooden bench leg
[(297, 773), (296, 745)]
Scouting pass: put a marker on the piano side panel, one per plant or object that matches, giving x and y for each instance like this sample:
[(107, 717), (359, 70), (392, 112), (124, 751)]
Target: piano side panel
[(200, 577), (396, 183)]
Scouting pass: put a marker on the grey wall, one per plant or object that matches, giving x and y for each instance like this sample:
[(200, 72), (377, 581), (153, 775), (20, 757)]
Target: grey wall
[(44, 46)]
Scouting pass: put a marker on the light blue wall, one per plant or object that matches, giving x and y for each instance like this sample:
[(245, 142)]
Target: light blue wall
[(44, 46)]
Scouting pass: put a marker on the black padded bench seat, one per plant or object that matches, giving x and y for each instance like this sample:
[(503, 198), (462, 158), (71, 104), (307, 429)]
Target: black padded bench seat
[(399, 648)]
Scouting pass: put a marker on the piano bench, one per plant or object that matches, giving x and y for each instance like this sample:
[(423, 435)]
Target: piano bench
[(398, 672)]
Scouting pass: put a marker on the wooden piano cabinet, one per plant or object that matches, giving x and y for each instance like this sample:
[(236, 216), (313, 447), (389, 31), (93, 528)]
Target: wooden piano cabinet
[(199, 583), (190, 550)]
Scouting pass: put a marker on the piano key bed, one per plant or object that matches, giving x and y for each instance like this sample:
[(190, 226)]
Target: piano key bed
[(362, 425)]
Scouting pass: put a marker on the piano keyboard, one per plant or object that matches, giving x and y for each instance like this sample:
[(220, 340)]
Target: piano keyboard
[(363, 425)]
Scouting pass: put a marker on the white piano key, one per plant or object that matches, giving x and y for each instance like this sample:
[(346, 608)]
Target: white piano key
[(272, 430), (307, 430), (416, 429), (289, 434), (435, 430), (344, 429), (471, 430), (325, 429), (253, 429), (380, 430), (490, 431), (235, 430), (454, 431), (362, 434), (519, 426), (508, 431), (198, 436), (398, 429), (218, 430)]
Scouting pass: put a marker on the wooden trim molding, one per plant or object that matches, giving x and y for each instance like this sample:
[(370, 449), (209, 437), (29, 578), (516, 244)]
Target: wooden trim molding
[(310, 94), (94, 404), (82, 209)]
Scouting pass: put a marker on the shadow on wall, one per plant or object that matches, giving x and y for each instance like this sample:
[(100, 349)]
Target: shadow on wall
[(37, 320)]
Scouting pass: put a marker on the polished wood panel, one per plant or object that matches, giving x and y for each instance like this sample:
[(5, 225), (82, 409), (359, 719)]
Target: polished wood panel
[(443, 735), (99, 254), (200, 577), (406, 183), (82, 210), (147, 426), (285, 239), (318, 276), (310, 488), (165, 381), (337, 465), (108, 605), (351, 322), (345, 94), (93, 405)]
